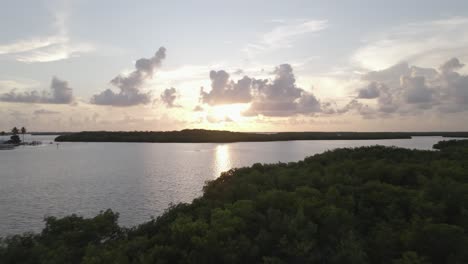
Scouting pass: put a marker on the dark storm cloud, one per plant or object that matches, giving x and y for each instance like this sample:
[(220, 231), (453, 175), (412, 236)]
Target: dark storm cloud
[(130, 85), (60, 93), (168, 96)]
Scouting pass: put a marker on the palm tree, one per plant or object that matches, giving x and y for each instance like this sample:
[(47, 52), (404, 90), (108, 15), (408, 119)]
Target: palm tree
[(23, 131)]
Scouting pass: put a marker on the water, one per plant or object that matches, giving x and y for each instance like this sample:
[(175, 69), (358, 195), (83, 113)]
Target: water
[(138, 180)]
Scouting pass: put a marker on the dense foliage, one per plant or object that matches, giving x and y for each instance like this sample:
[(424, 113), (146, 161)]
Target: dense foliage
[(15, 139), (201, 135), (364, 205), (456, 144)]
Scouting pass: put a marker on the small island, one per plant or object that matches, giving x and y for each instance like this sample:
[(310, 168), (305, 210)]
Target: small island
[(219, 136), (14, 139)]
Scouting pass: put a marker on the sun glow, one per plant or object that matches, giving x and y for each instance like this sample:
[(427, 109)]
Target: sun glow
[(232, 112)]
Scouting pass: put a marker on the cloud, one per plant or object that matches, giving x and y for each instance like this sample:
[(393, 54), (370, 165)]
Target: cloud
[(451, 65), (226, 91), (409, 90), (59, 51), (283, 35), (415, 89), (360, 108), (284, 32), (130, 85), (29, 45), (454, 87), (277, 97), (390, 75), (371, 91), (216, 119), (420, 43), (18, 83), (45, 112), (60, 93), (281, 97), (168, 96), (55, 47), (238, 72)]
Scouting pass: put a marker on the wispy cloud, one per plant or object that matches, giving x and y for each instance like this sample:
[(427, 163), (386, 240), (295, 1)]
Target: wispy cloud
[(31, 44), (283, 35), (425, 43), (54, 47), (54, 52), (18, 84)]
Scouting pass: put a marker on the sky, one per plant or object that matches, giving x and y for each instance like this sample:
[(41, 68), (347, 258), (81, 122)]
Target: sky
[(234, 65)]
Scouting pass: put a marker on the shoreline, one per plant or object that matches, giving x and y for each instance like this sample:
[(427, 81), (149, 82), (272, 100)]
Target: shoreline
[(216, 136)]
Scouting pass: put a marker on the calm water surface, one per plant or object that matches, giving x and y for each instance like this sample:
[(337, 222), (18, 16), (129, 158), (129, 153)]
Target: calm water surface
[(138, 180)]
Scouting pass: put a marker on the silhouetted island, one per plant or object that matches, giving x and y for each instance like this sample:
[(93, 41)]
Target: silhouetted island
[(218, 136), (364, 205)]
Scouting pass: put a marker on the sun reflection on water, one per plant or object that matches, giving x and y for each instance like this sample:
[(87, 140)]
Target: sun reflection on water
[(222, 159)]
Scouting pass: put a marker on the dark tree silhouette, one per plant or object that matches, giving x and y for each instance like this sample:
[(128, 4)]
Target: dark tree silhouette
[(23, 131), (15, 139)]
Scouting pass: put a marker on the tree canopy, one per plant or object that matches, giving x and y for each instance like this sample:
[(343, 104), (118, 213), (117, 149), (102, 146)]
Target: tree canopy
[(14, 130)]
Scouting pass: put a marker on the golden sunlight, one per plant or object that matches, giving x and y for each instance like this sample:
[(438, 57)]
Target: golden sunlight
[(232, 112), (222, 159)]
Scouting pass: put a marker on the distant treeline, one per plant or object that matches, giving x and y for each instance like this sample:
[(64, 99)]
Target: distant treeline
[(44, 133), (216, 136), (364, 205), (49, 133)]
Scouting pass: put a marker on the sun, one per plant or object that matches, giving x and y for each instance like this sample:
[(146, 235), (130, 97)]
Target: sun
[(232, 112)]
